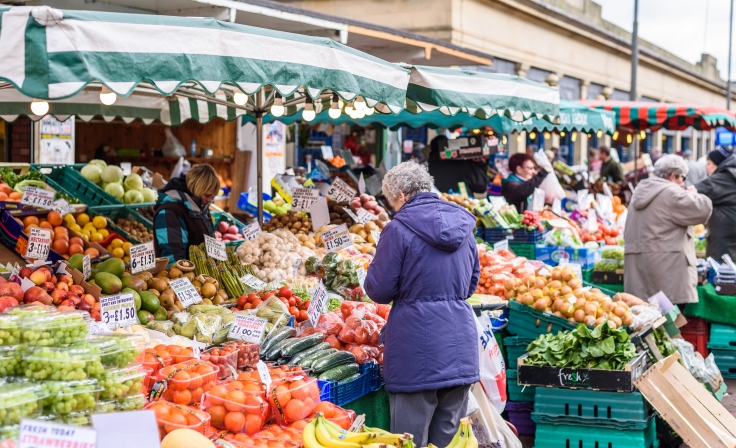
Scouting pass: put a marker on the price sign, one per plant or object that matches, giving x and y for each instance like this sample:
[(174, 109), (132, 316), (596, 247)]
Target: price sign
[(361, 277), (337, 238), (373, 185), (118, 310), (185, 291), (352, 214), (376, 236), (317, 304), (38, 434), (576, 267), (326, 152), (95, 327), (86, 266), (281, 187), (247, 328), (296, 266), (63, 207), (361, 184), (253, 282), (364, 216), (303, 198), (251, 231), (320, 214), (142, 257), (340, 191), (264, 374), (38, 197), (501, 245), (39, 243), (215, 248)]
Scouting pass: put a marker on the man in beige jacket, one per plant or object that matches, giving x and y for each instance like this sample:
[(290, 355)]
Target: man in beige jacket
[(660, 252)]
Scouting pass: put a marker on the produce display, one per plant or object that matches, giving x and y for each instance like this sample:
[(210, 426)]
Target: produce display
[(136, 229), (127, 189), (612, 259), (369, 203), (467, 203), (274, 255), (296, 223)]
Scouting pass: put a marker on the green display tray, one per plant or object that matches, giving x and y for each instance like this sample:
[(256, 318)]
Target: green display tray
[(722, 337), (515, 347), (527, 251), (516, 392), (74, 184), (726, 362), (564, 436)]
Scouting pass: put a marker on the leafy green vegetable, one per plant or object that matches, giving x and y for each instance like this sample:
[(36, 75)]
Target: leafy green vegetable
[(600, 348), (608, 264), (333, 304), (665, 346)]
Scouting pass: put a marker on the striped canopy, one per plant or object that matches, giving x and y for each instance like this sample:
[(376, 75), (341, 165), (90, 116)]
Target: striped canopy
[(675, 117), (480, 94), (50, 54)]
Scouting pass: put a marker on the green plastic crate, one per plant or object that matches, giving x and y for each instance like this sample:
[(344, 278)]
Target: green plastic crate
[(527, 251), (224, 216), (515, 347), (726, 362), (605, 291), (527, 322), (568, 436), (115, 212), (515, 392), (74, 184), (722, 337), (623, 410), (135, 207), (670, 325)]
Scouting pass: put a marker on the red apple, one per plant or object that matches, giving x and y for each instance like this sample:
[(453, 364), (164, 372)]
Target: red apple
[(38, 277), (25, 272), (50, 277), (58, 295), (62, 285), (12, 289), (84, 306), (7, 302), (37, 294), (76, 289), (74, 298)]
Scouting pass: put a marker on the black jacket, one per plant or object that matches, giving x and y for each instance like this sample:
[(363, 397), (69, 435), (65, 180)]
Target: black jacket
[(721, 189), (516, 193), (612, 171), (447, 173)]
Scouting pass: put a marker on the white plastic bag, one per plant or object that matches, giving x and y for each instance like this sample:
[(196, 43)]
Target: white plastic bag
[(182, 166), (552, 188), (172, 147), (488, 426), (492, 366)]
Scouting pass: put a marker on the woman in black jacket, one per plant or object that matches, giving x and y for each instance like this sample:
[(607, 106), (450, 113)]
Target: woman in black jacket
[(522, 181), (720, 187)]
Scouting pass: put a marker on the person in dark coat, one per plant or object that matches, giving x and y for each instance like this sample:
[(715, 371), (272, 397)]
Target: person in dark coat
[(720, 187), (427, 264), (610, 168), (447, 173), (181, 215), (520, 184)]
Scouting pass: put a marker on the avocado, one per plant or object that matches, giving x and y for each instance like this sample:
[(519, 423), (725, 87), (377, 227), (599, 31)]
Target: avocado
[(136, 297), (149, 302), (76, 261), (114, 266), (108, 283), (144, 317), (133, 283), (161, 314)]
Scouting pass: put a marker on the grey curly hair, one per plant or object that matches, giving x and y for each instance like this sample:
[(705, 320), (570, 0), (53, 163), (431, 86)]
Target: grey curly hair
[(670, 164), (410, 178)]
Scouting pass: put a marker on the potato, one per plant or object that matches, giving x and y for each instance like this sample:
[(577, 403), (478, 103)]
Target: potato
[(356, 228), (370, 226), (363, 234)]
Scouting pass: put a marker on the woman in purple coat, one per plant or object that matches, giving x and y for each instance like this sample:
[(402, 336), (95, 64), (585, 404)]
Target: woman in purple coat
[(427, 264)]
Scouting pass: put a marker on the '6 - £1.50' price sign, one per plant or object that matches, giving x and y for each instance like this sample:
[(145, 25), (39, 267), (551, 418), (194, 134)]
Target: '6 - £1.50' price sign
[(303, 198), (215, 248), (337, 238), (340, 191), (142, 257), (185, 291), (38, 197), (118, 310), (247, 328), (317, 304), (39, 242)]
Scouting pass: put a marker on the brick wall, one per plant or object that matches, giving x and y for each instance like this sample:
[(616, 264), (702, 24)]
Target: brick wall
[(19, 140)]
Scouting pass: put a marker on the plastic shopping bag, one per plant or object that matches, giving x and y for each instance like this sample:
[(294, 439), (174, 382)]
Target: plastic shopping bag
[(492, 366), (552, 188), (488, 426)]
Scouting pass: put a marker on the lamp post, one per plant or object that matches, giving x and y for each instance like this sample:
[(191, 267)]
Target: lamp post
[(730, 34), (634, 64)]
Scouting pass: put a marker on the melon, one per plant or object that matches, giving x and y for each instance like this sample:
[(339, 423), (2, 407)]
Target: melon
[(186, 438)]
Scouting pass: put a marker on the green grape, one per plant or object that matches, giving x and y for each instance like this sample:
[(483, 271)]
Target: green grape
[(82, 418), (61, 363), (106, 407), (120, 383), (10, 360), (9, 432), (133, 403), (9, 329), (118, 350), (65, 397), (19, 401), (54, 329)]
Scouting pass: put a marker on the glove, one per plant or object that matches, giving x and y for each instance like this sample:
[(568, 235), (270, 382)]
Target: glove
[(541, 159)]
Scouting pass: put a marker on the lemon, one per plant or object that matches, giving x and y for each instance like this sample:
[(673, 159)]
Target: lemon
[(84, 236), (126, 247), (69, 218), (117, 242), (104, 232), (118, 252), (100, 222), (126, 259), (90, 227), (82, 219), (95, 237), (74, 227)]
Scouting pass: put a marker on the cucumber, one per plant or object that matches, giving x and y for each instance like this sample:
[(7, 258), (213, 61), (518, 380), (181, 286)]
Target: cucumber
[(333, 360), (277, 336), (339, 373), (275, 352), (350, 378), (307, 361), (311, 350), (302, 344)]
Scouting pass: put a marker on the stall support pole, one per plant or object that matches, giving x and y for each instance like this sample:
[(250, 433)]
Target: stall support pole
[(636, 159), (259, 153)]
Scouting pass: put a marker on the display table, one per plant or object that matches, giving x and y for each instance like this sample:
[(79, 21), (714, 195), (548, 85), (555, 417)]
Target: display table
[(376, 408), (712, 307)]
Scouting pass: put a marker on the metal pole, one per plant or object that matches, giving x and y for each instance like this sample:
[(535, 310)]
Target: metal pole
[(259, 153), (635, 50), (730, 40)]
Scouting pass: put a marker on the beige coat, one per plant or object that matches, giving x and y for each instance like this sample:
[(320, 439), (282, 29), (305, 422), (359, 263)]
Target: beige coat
[(660, 253)]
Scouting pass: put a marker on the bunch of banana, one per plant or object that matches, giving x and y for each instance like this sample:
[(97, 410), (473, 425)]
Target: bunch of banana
[(464, 438), (322, 433)]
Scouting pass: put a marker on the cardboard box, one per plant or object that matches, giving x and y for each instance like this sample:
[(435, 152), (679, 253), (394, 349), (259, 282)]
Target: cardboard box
[(157, 180)]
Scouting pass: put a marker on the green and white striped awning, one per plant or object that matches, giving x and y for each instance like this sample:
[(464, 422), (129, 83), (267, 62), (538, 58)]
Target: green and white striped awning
[(479, 94), (50, 54)]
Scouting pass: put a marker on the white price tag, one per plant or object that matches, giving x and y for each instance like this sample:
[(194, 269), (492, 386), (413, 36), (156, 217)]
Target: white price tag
[(607, 190), (118, 310), (38, 197), (38, 434), (247, 328), (215, 248), (583, 200), (352, 215), (503, 244), (303, 198), (39, 242), (361, 277), (337, 238), (126, 167), (317, 304), (557, 207), (340, 191), (373, 185), (361, 184), (364, 216), (142, 257), (376, 236), (185, 291), (86, 266), (320, 214), (251, 231), (296, 266), (253, 282), (326, 152), (63, 207), (576, 267), (537, 200), (264, 374), (95, 327)]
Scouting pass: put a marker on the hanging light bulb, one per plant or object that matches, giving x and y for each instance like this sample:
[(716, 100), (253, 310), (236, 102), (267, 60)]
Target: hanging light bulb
[(39, 107), (334, 112), (359, 103), (519, 138), (590, 136), (532, 135), (574, 136), (359, 113), (277, 108), (503, 140), (308, 112), (642, 135), (107, 96), (490, 132), (562, 134), (615, 135), (476, 131), (240, 98), (370, 111), (599, 134), (628, 139), (547, 135), (349, 108)]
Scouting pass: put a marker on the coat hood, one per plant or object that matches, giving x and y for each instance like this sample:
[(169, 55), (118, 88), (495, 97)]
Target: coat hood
[(439, 223), (648, 190), (176, 191), (727, 165)]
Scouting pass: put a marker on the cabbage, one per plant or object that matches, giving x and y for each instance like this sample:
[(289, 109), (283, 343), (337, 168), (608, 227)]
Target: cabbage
[(112, 174), (133, 182), (93, 173), (133, 197), (116, 190), (101, 163), (149, 195)]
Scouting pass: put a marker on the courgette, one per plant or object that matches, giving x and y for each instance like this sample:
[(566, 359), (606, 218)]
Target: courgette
[(311, 350), (302, 344), (307, 362), (333, 360), (339, 373), (275, 352), (277, 336), (350, 378)]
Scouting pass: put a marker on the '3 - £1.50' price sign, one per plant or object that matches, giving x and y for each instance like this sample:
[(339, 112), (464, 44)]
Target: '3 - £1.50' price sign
[(185, 291), (39, 242), (317, 304), (215, 248), (142, 257), (118, 310), (247, 328), (303, 198), (38, 197), (253, 282), (337, 238)]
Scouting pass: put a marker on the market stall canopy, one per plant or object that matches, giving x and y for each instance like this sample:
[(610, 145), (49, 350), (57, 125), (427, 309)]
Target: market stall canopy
[(655, 116), (574, 117)]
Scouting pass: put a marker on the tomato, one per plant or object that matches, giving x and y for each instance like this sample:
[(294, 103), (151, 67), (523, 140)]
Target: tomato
[(285, 292), (252, 297), (294, 311), (303, 315), (268, 295), (292, 301)]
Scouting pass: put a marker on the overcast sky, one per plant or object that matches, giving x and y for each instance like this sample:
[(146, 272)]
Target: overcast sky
[(686, 28)]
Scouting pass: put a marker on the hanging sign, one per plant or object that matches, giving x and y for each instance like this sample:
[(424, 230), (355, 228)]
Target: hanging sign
[(465, 148)]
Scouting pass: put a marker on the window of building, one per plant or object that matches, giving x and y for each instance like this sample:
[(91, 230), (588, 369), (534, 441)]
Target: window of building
[(620, 95), (594, 90), (569, 88), (537, 74)]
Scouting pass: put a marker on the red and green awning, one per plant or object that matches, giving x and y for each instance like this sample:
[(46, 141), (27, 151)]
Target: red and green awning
[(654, 116)]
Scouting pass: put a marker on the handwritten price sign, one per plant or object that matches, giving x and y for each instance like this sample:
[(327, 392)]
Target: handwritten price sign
[(142, 257), (38, 197), (303, 198), (185, 291), (118, 310), (317, 304), (63, 207), (340, 191), (39, 242), (247, 328), (215, 248), (337, 238)]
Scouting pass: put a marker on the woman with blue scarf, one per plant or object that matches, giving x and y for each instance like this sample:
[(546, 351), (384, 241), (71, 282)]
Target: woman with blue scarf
[(524, 178)]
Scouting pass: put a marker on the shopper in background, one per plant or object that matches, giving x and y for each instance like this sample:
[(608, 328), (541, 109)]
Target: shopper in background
[(182, 216), (427, 264), (720, 187), (524, 178), (695, 170), (660, 251), (610, 169), (447, 173), (656, 154)]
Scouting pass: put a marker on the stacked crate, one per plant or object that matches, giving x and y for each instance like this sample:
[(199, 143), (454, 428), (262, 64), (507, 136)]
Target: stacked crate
[(722, 344)]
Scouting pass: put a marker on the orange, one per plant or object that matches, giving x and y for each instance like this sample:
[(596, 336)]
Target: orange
[(298, 389), (61, 229), (253, 423), (253, 403), (175, 421), (235, 385), (161, 347), (295, 410), (15, 195), (182, 397), (161, 411), (46, 225), (54, 218), (192, 419), (235, 400), (217, 394), (196, 381), (180, 381), (235, 421), (60, 246), (28, 220), (3, 196), (299, 424), (76, 240), (75, 249), (206, 370), (326, 408), (252, 386), (174, 349), (217, 416), (5, 188), (282, 395), (92, 252), (197, 394), (61, 236)]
